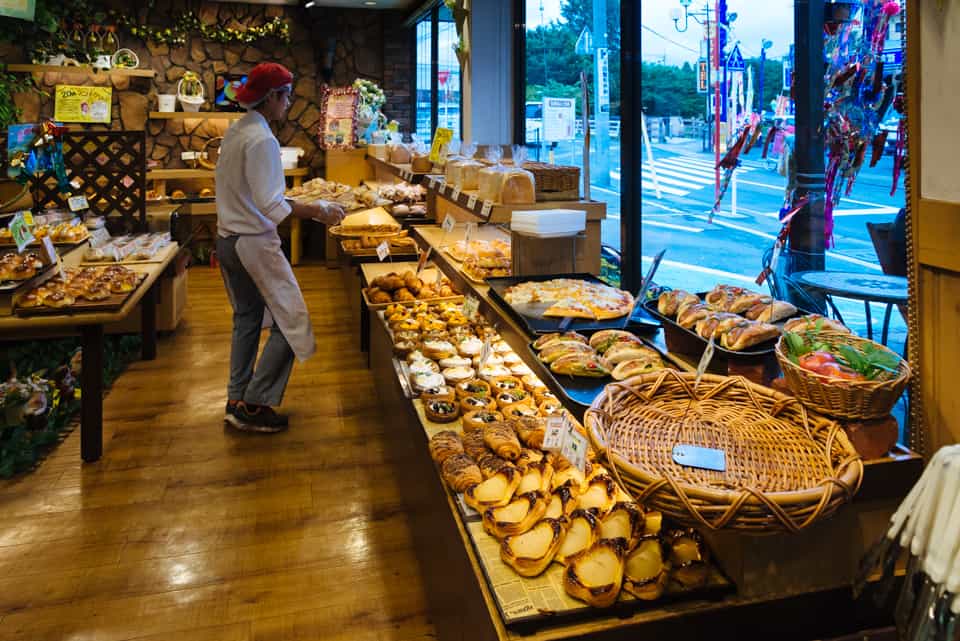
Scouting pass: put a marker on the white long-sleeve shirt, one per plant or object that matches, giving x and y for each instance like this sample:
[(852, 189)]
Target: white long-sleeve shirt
[(250, 180)]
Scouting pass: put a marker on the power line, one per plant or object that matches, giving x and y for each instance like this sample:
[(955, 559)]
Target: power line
[(673, 42)]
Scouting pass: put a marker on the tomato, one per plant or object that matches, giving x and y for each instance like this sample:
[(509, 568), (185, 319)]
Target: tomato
[(836, 370), (815, 360)]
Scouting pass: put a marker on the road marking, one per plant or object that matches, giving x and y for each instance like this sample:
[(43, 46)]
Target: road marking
[(657, 223), (686, 174), (866, 212), (605, 190), (648, 185), (671, 179), (704, 270), (756, 184)]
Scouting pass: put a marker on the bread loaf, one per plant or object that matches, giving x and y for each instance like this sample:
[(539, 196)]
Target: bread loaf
[(400, 155), (517, 188)]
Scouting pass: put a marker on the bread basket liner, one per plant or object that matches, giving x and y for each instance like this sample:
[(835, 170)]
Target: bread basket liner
[(754, 507)]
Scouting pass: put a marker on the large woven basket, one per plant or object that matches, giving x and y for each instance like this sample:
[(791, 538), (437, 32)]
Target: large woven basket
[(549, 178), (849, 400), (786, 468)]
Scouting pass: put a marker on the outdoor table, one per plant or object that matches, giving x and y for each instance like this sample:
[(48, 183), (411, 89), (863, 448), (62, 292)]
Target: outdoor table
[(870, 288)]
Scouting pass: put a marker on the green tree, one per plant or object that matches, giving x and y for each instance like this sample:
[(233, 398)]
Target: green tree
[(670, 91)]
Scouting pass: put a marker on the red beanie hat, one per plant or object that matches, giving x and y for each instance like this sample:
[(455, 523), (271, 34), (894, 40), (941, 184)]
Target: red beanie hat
[(264, 78)]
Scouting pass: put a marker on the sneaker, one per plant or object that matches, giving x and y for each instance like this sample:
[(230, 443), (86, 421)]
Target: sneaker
[(253, 418)]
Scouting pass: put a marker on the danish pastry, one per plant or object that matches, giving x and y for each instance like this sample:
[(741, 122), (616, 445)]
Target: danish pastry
[(445, 444), (501, 438)]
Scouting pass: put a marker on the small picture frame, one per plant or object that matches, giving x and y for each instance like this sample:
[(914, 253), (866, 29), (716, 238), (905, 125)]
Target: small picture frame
[(227, 85), (338, 118)]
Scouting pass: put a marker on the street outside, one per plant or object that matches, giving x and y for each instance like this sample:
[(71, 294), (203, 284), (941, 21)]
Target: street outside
[(701, 254)]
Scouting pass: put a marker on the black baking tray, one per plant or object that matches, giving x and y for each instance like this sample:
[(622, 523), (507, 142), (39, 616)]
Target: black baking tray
[(583, 391), (529, 316)]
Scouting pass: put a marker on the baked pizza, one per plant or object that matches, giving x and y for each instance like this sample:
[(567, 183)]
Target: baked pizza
[(569, 297)]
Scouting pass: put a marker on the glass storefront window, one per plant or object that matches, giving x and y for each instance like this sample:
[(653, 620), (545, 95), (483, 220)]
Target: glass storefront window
[(438, 82)]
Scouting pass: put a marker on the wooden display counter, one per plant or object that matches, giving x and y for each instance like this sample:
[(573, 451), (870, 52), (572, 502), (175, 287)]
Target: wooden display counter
[(780, 579), (91, 328)]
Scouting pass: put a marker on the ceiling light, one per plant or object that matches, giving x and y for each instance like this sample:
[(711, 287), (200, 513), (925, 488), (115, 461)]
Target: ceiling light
[(370, 3), (309, 4)]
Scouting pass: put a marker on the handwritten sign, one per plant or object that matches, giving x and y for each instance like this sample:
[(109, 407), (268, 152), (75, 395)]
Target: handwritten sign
[(21, 232), (472, 202), (86, 104), (78, 203), (441, 138), (383, 251), (338, 117), (575, 449)]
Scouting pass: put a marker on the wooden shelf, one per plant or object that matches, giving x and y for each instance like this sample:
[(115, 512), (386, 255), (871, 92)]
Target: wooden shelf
[(403, 172), (84, 70), (199, 115), (174, 174)]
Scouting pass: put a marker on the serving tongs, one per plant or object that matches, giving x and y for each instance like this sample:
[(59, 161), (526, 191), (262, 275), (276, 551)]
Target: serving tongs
[(926, 524)]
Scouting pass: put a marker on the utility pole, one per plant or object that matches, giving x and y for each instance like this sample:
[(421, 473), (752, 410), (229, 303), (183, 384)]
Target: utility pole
[(601, 89), (806, 230)]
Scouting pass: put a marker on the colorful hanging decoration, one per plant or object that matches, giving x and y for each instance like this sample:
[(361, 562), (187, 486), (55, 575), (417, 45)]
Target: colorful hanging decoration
[(729, 164), (189, 23), (858, 95), (45, 155)]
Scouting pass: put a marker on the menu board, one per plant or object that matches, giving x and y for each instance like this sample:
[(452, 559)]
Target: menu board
[(338, 120), (74, 103)]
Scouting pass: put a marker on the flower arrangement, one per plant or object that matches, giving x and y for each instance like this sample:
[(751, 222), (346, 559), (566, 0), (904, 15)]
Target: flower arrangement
[(372, 98)]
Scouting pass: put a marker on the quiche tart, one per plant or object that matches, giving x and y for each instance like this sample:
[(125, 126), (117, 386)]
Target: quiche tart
[(569, 297)]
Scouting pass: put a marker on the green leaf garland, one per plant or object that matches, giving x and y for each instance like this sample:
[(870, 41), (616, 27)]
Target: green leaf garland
[(189, 23)]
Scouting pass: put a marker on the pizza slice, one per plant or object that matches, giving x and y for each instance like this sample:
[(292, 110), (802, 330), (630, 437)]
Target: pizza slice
[(569, 307), (612, 306)]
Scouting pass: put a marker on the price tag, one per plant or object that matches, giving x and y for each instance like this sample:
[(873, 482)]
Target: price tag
[(704, 361), (472, 202), (554, 433), (487, 208), (50, 253), (575, 449), (21, 232), (383, 251), (485, 352), (99, 237), (439, 280), (449, 222), (423, 260), (455, 194), (471, 228), (703, 457), (78, 203), (28, 217), (470, 307)]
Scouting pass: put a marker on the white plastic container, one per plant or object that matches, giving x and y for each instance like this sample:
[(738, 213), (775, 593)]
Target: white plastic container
[(167, 102), (290, 156)]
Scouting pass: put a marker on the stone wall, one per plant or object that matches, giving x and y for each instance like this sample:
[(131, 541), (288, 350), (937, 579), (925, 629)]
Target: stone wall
[(368, 44)]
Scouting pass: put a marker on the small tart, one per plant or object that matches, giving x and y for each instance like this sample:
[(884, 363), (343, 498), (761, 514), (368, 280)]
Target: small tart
[(506, 383), (533, 384), (402, 348), (492, 359), (474, 387), (470, 347), (441, 411), (58, 299), (454, 375), (423, 382), (511, 358), (473, 403), (454, 361), (441, 393), (434, 325), (424, 366), (520, 370), (406, 336), (438, 349), (490, 372), (477, 420), (501, 347), (509, 397), (409, 324), (520, 410), (550, 406), (96, 292)]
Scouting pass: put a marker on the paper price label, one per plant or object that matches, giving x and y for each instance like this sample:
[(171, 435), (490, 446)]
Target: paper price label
[(575, 449), (470, 307), (20, 230), (383, 251), (99, 237), (78, 203), (702, 457), (455, 194), (449, 222), (554, 433), (423, 260), (468, 234), (485, 352), (438, 281), (487, 208), (28, 217), (472, 202), (48, 250)]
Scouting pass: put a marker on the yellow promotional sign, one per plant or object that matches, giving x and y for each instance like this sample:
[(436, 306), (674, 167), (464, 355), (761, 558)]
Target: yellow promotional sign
[(441, 138), (83, 104)]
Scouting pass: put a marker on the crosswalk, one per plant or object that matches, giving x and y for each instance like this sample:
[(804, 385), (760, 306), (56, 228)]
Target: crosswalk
[(680, 175)]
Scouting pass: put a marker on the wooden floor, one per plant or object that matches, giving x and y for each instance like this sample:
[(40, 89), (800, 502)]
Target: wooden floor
[(187, 531)]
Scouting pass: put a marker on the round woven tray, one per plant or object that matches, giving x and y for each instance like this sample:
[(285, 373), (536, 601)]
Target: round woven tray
[(785, 467), (849, 400)]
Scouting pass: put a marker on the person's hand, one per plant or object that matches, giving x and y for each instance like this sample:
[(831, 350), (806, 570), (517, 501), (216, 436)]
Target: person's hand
[(330, 214)]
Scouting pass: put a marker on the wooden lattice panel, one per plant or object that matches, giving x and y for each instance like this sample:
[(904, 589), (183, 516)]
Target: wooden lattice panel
[(110, 169)]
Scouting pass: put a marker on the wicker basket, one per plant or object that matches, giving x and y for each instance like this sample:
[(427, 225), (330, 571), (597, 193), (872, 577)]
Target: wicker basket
[(550, 178), (848, 400), (786, 468)]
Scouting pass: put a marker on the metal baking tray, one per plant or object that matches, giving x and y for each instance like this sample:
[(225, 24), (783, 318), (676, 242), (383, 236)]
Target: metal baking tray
[(530, 318), (583, 391)]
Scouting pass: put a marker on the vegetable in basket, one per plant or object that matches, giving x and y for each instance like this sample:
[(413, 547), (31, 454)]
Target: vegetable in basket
[(869, 362)]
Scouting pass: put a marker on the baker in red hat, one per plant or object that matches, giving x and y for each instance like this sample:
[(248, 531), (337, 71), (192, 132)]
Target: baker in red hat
[(260, 283)]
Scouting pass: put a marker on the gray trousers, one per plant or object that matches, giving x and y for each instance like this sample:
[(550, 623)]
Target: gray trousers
[(265, 384)]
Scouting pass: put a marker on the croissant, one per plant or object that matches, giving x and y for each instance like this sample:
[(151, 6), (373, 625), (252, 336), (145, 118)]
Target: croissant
[(461, 473), (531, 430), (501, 438), (474, 446), (445, 444), (689, 315), (490, 464)]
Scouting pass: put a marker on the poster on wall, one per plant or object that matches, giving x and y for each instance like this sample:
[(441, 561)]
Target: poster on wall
[(19, 140), (559, 119), (338, 118), (23, 9), (82, 104)]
